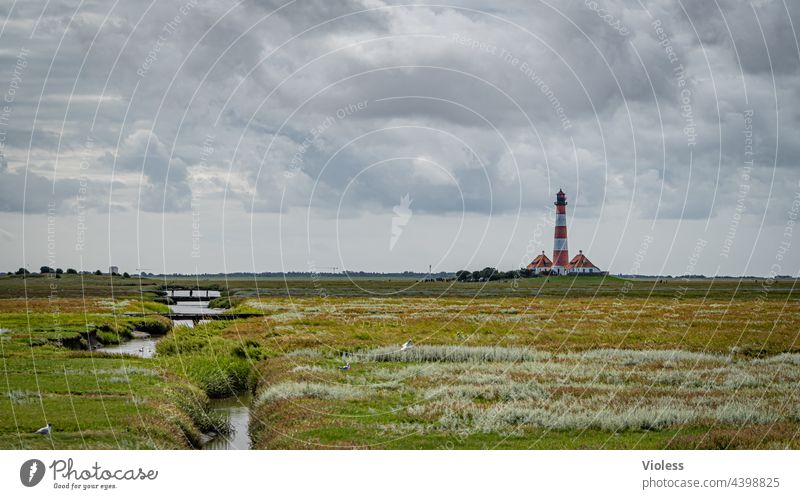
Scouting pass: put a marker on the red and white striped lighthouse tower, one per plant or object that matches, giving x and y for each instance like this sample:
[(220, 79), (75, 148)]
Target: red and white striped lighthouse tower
[(560, 250)]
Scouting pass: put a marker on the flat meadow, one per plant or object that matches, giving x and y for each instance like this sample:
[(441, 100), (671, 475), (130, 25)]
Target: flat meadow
[(536, 363)]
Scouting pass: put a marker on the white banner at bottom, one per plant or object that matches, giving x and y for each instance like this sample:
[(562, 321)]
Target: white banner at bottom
[(400, 474)]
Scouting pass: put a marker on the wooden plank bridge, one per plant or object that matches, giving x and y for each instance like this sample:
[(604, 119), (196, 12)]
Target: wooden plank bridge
[(197, 316)]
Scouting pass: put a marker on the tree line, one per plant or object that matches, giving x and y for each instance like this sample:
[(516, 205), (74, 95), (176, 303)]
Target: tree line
[(44, 270)]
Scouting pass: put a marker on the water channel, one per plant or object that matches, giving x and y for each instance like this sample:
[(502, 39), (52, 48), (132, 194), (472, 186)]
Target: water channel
[(236, 409)]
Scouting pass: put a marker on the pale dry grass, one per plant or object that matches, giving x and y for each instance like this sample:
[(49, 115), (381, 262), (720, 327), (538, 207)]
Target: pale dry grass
[(454, 353), (300, 390), (508, 389)]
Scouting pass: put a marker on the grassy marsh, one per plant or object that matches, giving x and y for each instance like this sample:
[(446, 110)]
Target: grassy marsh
[(95, 400), (559, 363)]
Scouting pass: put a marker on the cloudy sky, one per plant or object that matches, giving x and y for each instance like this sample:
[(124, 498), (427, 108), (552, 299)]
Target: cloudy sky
[(208, 136)]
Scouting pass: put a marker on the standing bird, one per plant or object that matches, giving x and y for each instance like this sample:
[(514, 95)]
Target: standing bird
[(45, 430), (407, 345)]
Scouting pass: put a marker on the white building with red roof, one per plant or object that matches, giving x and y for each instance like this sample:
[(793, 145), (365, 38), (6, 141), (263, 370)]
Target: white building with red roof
[(540, 264), (581, 265)]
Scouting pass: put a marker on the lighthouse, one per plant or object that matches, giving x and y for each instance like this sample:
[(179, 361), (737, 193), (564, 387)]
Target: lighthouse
[(561, 264), (560, 250)]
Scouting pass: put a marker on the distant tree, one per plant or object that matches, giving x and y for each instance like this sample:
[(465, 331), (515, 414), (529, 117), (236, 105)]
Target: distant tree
[(126, 275), (59, 271), (72, 271), (463, 275), (22, 271), (488, 273), (46, 270), (97, 272)]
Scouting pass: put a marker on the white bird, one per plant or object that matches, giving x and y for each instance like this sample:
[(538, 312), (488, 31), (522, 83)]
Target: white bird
[(345, 367), (407, 345), (45, 430)]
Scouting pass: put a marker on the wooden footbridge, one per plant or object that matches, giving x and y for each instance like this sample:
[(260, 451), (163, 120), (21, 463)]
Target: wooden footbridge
[(191, 294), (197, 316)]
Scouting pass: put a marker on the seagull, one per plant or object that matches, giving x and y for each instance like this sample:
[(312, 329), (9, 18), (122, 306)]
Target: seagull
[(407, 345), (345, 367), (45, 430)]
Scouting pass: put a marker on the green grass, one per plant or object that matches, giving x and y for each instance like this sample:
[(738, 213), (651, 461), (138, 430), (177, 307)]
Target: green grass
[(222, 367), (93, 401), (635, 399), (513, 372), (76, 286), (96, 400), (72, 330)]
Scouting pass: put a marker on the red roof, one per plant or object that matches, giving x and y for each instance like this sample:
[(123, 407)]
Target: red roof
[(580, 261), (540, 262)]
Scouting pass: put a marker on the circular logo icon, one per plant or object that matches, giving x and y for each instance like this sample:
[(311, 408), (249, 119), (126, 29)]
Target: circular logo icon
[(31, 472)]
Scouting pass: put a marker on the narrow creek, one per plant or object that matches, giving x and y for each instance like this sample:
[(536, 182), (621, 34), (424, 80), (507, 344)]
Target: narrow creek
[(236, 409)]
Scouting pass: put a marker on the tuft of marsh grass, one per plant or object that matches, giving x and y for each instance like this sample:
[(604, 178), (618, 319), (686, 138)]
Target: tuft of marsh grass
[(459, 353), (782, 358), (634, 357), (480, 378), (19, 397), (309, 369), (741, 379), (305, 352), (124, 370), (510, 391), (413, 371), (298, 390), (510, 416), (739, 413), (218, 377), (453, 353)]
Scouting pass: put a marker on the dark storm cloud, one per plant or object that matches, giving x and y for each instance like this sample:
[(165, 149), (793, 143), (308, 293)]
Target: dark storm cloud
[(749, 28), (576, 97), (333, 14), (34, 194)]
